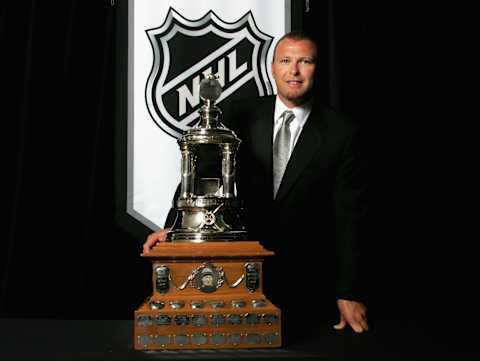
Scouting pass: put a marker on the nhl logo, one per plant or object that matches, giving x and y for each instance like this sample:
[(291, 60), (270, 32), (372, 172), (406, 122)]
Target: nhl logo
[(186, 50)]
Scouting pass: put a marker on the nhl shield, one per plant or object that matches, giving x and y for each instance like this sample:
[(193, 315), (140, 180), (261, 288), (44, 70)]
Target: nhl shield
[(185, 50)]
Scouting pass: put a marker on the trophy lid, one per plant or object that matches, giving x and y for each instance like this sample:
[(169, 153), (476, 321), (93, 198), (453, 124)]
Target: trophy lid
[(210, 88), (209, 129)]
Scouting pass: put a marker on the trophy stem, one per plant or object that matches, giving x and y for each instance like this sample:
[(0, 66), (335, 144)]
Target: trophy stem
[(209, 114)]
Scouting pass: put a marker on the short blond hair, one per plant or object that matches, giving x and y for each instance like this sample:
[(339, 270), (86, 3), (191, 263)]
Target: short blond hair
[(296, 35)]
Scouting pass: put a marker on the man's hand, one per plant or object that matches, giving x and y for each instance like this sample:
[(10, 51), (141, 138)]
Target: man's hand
[(154, 238), (352, 313)]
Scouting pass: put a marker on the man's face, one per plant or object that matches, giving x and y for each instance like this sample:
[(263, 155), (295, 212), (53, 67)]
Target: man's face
[(293, 69)]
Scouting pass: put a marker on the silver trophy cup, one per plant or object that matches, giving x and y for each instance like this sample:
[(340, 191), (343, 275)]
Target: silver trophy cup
[(207, 208)]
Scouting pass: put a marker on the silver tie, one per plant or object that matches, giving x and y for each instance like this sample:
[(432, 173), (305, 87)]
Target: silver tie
[(281, 150)]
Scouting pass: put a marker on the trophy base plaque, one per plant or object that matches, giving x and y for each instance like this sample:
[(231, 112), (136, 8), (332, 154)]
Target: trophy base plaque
[(207, 296)]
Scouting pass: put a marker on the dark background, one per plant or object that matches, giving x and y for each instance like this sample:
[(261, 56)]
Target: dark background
[(64, 255)]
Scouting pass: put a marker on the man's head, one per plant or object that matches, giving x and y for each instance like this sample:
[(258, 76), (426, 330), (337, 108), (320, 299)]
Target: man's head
[(293, 67)]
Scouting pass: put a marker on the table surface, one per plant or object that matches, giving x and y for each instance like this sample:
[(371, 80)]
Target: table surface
[(46, 339)]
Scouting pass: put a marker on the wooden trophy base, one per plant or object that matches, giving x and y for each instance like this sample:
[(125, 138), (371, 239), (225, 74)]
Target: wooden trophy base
[(207, 296)]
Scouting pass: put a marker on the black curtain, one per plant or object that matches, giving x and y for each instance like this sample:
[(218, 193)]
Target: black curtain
[(62, 254)]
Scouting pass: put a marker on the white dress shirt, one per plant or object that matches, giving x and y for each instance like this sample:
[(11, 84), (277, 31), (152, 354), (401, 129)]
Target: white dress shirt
[(296, 125)]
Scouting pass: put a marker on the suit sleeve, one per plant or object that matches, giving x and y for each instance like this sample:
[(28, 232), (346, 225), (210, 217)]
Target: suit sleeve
[(172, 212), (351, 212)]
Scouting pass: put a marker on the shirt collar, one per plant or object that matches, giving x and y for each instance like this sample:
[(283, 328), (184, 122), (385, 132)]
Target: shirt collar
[(301, 112)]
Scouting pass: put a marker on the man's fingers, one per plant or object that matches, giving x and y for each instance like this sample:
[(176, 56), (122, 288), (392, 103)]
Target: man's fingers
[(340, 325), (359, 325), (354, 314), (364, 322), (146, 248), (361, 319), (154, 238), (150, 242)]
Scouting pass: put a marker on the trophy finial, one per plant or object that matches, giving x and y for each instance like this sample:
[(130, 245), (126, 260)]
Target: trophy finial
[(210, 88)]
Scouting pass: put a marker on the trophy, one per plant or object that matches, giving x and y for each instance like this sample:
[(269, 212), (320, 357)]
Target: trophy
[(207, 277), (207, 209)]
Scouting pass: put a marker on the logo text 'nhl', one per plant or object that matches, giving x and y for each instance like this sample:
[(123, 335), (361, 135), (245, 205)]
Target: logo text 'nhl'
[(185, 51)]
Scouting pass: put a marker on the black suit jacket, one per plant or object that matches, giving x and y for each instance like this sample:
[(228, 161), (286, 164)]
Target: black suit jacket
[(317, 223)]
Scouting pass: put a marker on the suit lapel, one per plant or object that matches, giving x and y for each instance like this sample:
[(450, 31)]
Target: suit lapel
[(262, 135), (308, 143)]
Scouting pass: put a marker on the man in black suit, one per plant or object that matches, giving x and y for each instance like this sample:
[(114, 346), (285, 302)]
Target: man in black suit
[(302, 177)]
